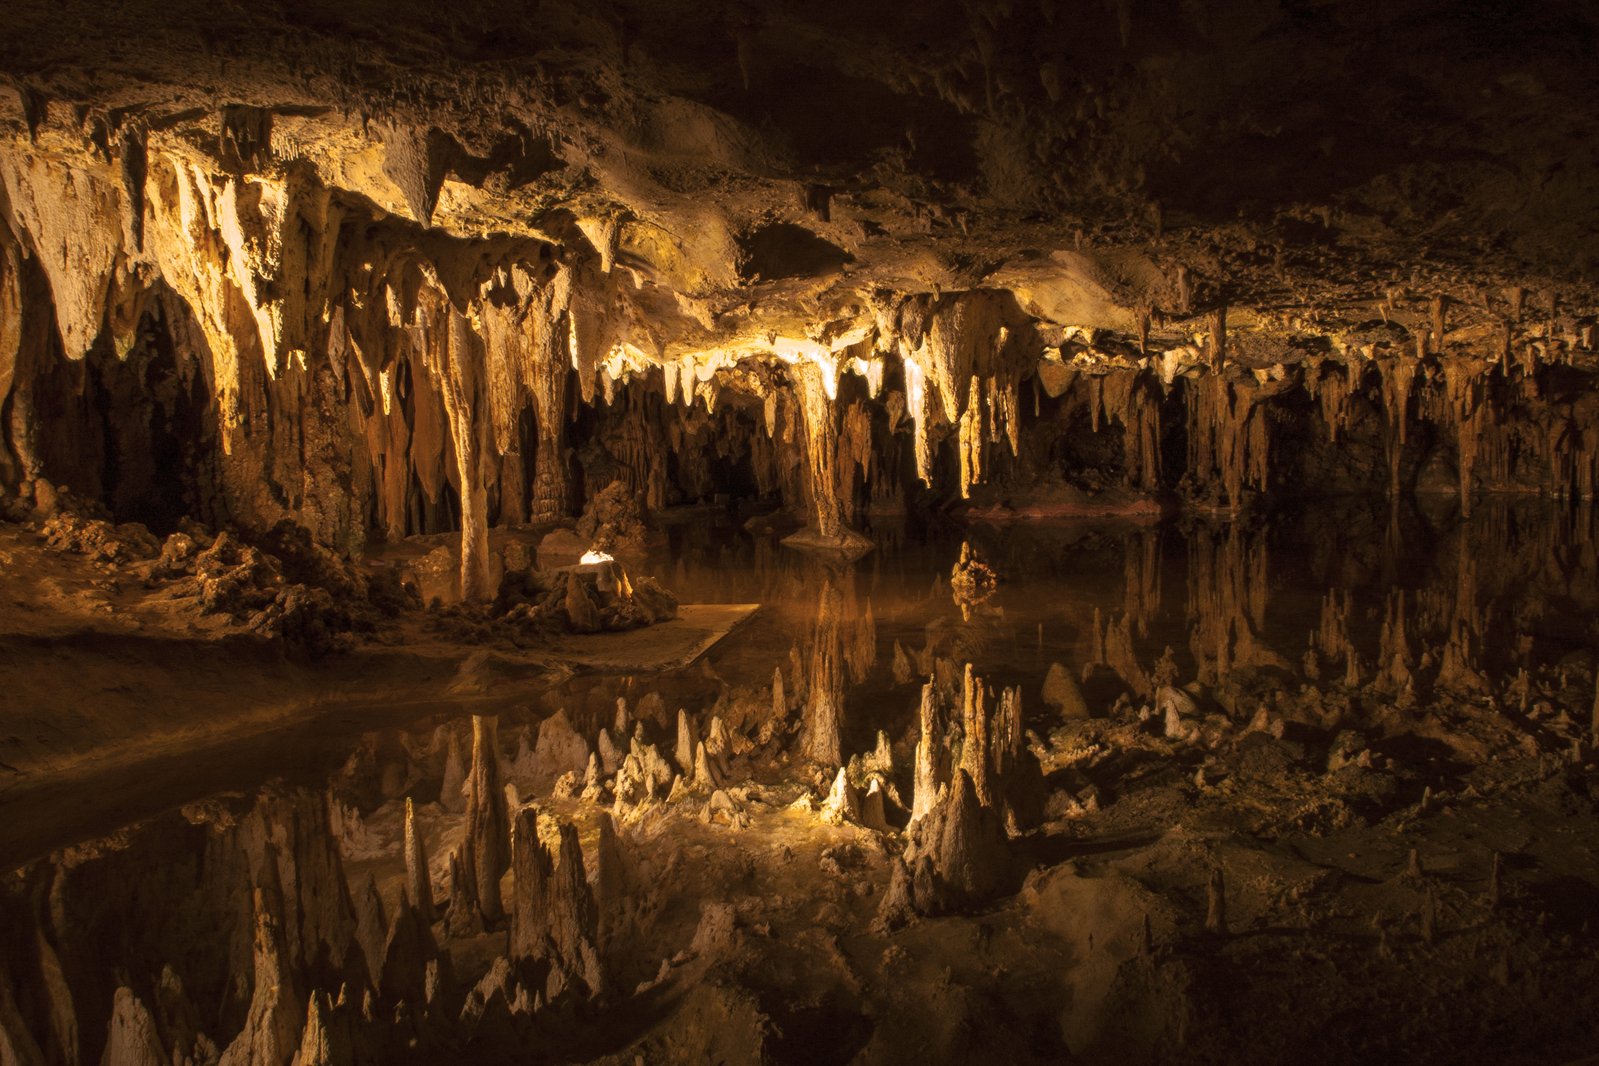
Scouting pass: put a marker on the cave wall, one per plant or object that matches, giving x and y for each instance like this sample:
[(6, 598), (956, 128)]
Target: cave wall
[(223, 334)]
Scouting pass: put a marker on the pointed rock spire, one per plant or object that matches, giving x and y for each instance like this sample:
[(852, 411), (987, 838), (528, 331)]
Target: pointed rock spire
[(487, 819), (416, 867)]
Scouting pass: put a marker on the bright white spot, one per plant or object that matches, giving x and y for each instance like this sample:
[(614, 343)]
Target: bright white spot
[(591, 557)]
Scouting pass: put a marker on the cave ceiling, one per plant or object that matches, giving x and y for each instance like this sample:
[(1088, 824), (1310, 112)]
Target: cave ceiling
[(748, 172)]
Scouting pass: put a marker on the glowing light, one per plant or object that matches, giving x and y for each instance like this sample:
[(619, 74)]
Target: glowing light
[(593, 556)]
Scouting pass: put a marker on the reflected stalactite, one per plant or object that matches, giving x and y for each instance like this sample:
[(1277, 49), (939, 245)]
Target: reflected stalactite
[(484, 858), (1227, 591), (823, 723), (1141, 570), (1395, 657)]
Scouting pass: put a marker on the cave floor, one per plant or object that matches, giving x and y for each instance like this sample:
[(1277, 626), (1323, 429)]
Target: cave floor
[(1356, 812)]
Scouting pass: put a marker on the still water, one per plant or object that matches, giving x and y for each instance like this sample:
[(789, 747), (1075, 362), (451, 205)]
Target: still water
[(143, 878), (1515, 585)]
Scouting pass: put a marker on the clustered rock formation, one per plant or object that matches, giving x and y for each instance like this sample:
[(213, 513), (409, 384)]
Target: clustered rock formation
[(378, 313), (313, 315), (422, 907), (316, 968)]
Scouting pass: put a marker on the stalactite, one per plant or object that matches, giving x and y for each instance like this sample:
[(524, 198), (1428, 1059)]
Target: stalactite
[(547, 384), (971, 438), (1468, 412), (14, 462), (455, 358), (73, 223), (1332, 386), (815, 388), (1141, 573), (1398, 379), (1125, 396), (1227, 439), (854, 454)]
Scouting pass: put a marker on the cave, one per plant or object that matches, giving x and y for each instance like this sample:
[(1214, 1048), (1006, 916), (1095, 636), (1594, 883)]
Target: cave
[(663, 532)]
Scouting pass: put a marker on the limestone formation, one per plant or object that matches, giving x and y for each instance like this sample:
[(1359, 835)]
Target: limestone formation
[(327, 1040), (824, 688), (485, 858), (686, 742), (417, 879), (343, 345), (1062, 693), (272, 1027), (555, 921), (964, 845), (133, 1039), (929, 757), (843, 802)]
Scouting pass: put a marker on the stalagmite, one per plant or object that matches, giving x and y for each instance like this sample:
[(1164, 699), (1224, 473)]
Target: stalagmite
[(464, 918), (409, 956), (487, 822), (705, 774), (555, 921), (977, 737), (608, 879), (416, 866), (718, 746), (371, 925), (929, 748), (610, 756), (132, 1040), (1062, 693), (272, 1029), (898, 908), (903, 674), (964, 844), (843, 802), (327, 1040), (686, 742)]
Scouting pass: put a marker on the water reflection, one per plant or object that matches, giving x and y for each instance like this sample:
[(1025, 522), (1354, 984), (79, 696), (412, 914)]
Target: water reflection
[(1367, 602)]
